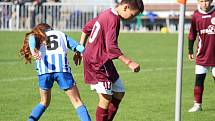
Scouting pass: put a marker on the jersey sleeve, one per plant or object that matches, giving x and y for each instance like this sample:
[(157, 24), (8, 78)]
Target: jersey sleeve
[(89, 26), (112, 41), (31, 42), (193, 29), (73, 45)]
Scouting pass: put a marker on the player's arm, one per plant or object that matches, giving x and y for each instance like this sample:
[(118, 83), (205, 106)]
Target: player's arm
[(32, 46), (87, 29), (73, 45), (77, 48), (114, 51), (192, 38), (135, 67), (190, 49), (83, 40), (78, 56)]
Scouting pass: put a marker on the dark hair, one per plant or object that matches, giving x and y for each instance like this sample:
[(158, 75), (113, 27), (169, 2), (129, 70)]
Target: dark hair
[(134, 4), (40, 37)]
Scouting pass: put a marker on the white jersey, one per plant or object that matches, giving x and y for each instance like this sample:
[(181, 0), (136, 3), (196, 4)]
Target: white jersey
[(54, 54)]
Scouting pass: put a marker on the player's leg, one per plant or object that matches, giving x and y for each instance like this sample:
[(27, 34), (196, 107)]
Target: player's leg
[(199, 87), (118, 94), (75, 99), (104, 91), (67, 83), (102, 108), (45, 84), (40, 108), (74, 96)]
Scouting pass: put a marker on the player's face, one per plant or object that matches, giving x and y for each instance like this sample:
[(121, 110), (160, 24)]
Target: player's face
[(129, 13), (205, 4)]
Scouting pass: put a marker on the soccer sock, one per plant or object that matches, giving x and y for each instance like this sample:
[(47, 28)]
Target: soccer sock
[(37, 112), (198, 91), (113, 107), (83, 113), (101, 114), (199, 87)]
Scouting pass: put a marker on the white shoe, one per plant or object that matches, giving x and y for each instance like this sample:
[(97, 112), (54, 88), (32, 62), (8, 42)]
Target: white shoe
[(196, 108)]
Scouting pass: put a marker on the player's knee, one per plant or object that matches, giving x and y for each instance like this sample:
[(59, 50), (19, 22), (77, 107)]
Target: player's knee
[(200, 79), (104, 100), (104, 104), (45, 103), (118, 95)]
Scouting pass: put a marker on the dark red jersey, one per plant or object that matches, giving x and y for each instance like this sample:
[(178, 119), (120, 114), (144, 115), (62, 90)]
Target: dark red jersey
[(203, 25), (102, 47)]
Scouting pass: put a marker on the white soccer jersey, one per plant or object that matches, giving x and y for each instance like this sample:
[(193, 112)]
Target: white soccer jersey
[(54, 54)]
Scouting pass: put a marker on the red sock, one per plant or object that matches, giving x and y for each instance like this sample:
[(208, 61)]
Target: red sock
[(198, 91), (113, 107), (101, 114)]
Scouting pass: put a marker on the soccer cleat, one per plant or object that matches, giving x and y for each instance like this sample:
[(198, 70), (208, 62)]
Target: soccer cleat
[(196, 108)]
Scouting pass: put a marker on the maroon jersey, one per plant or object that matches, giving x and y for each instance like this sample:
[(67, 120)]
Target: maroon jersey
[(102, 47), (203, 24)]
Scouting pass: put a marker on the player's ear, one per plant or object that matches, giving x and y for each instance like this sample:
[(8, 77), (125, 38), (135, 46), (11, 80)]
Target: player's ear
[(125, 7)]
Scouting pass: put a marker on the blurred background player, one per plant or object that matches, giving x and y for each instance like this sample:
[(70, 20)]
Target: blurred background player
[(49, 48), (101, 49), (203, 24)]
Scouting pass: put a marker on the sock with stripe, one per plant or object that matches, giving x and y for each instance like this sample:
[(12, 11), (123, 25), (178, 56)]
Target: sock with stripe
[(83, 113), (37, 112)]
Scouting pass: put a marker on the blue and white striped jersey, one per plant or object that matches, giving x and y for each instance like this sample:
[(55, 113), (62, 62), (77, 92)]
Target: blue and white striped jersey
[(54, 54)]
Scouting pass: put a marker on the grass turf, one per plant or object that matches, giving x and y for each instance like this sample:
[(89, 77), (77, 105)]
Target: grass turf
[(150, 94)]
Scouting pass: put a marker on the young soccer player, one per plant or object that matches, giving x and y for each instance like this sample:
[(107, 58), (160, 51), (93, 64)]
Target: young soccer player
[(203, 25), (49, 48), (101, 49)]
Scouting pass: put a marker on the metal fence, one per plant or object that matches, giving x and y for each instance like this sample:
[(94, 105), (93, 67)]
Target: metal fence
[(73, 16), (63, 16)]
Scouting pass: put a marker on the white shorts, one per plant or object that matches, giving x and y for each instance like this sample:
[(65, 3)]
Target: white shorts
[(108, 87), (204, 69)]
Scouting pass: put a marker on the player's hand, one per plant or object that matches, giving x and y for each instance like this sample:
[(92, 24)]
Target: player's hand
[(36, 55), (191, 57), (135, 67), (77, 58)]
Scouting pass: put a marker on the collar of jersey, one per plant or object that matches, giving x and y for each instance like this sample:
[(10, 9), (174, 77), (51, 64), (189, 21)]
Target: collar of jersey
[(114, 12), (203, 12)]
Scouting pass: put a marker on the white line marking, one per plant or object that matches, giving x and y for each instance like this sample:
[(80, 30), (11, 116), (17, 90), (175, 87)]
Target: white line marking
[(81, 74), (4, 62)]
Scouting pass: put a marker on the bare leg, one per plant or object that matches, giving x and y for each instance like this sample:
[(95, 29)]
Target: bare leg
[(40, 108), (75, 99), (45, 97), (102, 109), (74, 96), (104, 100)]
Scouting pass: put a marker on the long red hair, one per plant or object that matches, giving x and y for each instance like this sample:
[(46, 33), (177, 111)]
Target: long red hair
[(40, 37)]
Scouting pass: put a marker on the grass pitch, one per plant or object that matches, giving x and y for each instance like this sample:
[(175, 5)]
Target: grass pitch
[(150, 94)]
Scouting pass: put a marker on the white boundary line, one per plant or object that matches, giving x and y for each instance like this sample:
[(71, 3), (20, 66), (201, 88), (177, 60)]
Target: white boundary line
[(81, 74)]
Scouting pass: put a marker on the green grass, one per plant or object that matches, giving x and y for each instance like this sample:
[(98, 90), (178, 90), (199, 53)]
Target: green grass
[(150, 94)]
